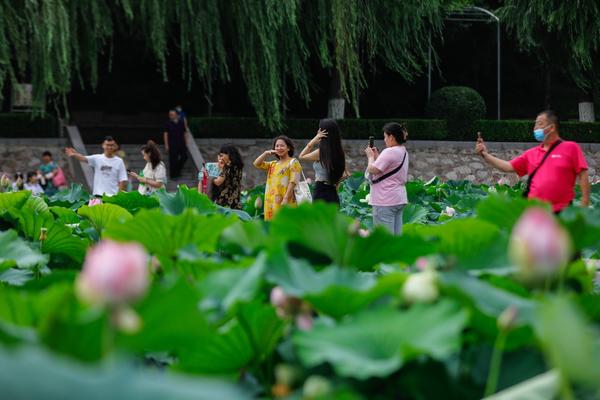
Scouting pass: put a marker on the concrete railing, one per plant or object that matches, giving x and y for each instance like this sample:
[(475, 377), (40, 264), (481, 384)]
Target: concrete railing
[(81, 171), (194, 151)]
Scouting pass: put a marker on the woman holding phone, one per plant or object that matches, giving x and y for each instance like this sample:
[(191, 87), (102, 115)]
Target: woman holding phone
[(329, 160), (388, 172), (227, 187), (154, 175)]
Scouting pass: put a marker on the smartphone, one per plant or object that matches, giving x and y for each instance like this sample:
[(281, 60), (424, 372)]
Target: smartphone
[(371, 141)]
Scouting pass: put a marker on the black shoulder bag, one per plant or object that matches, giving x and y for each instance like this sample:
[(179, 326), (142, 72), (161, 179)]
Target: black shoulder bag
[(530, 178), (391, 172)]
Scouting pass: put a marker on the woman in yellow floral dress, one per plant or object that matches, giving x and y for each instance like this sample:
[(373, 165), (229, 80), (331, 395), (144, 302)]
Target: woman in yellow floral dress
[(282, 175)]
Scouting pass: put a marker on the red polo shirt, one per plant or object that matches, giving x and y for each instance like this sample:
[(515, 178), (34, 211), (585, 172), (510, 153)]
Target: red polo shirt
[(555, 180)]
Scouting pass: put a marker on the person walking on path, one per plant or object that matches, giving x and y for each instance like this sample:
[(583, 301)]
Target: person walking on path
[(388, 173), (282, 175), (110, 175), (552, 167), (175, 140), (329, 161)]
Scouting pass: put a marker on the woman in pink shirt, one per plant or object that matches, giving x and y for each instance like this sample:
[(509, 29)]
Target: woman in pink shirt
[(388, 173)]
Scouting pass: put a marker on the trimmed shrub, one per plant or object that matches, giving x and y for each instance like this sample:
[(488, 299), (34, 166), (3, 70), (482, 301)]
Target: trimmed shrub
[(17, 125), (460, 106), (423, 129)]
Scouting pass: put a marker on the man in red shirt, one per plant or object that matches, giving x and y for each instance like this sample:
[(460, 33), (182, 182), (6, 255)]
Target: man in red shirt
[(554, 181)]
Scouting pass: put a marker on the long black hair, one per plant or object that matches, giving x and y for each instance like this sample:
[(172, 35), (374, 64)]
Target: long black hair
[(331, 153), (234, 155)]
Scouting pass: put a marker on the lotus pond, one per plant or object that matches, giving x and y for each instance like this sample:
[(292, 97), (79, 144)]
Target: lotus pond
[(172, 297)]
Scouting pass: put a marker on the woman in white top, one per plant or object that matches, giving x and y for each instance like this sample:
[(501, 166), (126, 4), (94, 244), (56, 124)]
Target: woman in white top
[(154, 175)]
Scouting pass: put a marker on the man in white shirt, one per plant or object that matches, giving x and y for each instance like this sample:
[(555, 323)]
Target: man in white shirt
[(110, 175)]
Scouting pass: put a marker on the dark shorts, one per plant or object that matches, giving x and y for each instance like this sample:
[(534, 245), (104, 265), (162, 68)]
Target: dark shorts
[(326, 192)]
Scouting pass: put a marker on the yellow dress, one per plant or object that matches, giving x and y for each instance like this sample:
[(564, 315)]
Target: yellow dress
[(279, 176)]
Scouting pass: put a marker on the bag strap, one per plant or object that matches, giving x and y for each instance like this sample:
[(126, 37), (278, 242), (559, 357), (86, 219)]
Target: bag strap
[(391, 172), (301, 169), (530, 177)]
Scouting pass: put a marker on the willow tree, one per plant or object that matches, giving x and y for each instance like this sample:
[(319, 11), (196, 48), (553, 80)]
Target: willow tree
[(564, 36), (54, 43)]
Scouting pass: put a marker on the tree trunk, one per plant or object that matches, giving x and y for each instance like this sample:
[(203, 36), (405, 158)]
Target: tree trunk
[(337, 104), (586, 106)]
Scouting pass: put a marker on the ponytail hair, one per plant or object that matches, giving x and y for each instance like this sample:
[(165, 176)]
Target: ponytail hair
[(396, 130)]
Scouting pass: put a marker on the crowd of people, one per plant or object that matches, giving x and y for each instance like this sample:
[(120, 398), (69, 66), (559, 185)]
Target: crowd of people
[(47, 179), (552, 168)]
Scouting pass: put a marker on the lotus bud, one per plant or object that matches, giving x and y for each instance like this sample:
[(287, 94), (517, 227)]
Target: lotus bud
[(94, 202), (363, 233), (508, 317), (304, 321), (126, 320), (449, 211), (503, 181), (316, 386), (538, 245), (258, 203), (43, 234), (421, 287), (4, 181), (278, 297), (113, 274), (423, 263)]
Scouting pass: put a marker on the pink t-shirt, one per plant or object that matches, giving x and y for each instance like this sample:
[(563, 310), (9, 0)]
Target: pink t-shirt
[(391, 191), (555, 180)]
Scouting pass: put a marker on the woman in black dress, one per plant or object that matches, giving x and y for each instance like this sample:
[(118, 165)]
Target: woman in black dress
[(227, 187)]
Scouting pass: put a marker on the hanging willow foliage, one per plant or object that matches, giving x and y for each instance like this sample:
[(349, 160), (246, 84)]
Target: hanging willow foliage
[(571, 29), (53, 42)]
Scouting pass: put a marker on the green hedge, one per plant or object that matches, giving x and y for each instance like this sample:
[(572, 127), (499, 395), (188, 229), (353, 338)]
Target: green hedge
[(418, 129), (424, 129), (522, 131), (19, 125)]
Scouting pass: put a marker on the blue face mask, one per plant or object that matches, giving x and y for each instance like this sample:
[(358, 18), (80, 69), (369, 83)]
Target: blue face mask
[(538, 134)]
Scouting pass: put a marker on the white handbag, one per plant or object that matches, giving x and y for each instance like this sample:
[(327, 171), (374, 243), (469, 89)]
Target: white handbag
[(302, 190)]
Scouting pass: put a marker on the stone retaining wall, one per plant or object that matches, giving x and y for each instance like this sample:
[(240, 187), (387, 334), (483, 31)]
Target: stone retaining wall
[(23, 155), (448, 160)]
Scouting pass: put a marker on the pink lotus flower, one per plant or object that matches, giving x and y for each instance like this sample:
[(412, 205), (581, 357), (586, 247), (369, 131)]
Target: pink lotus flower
[(363, 233), (94, 202), (113, 274), (503, 181), (539, 246)]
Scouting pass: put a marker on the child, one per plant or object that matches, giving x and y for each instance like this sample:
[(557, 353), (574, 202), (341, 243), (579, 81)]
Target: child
[(18, 182), (33, 185)]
